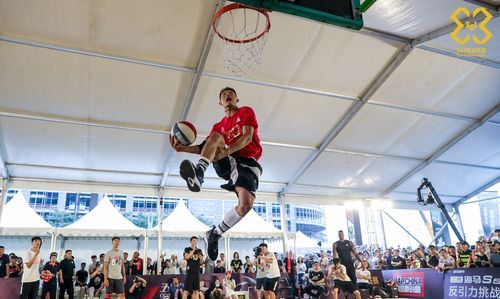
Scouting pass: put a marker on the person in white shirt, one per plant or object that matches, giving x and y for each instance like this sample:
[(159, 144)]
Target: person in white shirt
[(364, 276), (30, 281), (272, 271), (229, 285), (339, 274), (445, 260)]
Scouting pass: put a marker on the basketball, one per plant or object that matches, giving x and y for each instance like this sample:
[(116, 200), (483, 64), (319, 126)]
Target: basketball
[(184, 132)]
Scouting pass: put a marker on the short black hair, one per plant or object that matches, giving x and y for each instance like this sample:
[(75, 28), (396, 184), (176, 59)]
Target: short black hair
[(36, 238), (188, 249), (336, 260), (93, 257), (227, 88), (102, 254), (83, 264), (1, 246), (114, 238), (68, 250), (263, 245), (193, 237)]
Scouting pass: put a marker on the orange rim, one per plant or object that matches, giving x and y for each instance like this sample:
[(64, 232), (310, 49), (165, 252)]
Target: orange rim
[(234, 6)]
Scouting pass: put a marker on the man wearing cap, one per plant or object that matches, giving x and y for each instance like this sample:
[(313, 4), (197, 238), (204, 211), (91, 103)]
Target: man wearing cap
[(49, 277), (30, 280)]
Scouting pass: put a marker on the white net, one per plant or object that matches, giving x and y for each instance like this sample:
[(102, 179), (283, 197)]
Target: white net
[(242, 34)]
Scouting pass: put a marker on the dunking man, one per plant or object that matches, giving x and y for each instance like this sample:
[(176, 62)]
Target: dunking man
[(192, 282), (342, 249), (234, 147)]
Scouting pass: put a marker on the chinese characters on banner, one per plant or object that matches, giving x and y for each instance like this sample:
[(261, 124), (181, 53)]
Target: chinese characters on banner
[(472, 283)]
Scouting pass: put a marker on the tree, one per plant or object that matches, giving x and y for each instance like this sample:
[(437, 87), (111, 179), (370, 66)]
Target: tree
[(60, 218), (142, 219)]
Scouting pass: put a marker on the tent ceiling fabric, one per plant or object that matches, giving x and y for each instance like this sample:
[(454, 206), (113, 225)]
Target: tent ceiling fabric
[(74, 119)]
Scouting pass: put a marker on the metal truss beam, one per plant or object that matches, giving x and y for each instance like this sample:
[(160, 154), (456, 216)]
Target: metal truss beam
[(192, 88), (349, 115), (443, 149)]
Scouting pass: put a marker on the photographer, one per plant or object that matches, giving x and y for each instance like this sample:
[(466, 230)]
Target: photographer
[(272, 271), (137, 288), (194, 260), (216, 291)]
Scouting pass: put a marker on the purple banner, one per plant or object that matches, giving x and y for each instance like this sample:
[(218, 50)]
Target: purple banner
[(472, 283), (158, 285), (10, 288), (418, 283)]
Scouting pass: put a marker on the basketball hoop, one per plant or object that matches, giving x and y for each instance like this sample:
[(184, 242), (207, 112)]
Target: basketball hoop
[(242, 33)]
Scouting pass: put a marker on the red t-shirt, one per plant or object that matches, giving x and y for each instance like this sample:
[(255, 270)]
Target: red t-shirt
[(232, 129)]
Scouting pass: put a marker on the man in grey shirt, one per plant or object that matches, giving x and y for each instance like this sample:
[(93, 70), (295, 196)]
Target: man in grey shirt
[(114, 270)]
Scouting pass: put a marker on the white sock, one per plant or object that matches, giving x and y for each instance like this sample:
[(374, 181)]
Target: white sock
[(230, 219), (203, 163)]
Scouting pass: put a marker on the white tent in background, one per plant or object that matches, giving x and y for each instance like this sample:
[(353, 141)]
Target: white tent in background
[(18, 218), (103, 220), (304, 242), (181, 223), (253, 226)]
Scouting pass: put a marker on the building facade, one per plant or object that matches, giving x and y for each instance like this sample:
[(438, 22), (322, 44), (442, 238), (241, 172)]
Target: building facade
[(62, 208)]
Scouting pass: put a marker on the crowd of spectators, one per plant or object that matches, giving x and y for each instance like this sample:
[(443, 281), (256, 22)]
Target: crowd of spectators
[(89, 278)]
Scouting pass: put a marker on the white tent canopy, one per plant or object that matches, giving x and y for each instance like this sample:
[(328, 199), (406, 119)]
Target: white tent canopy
[(87, 98), (304, 242), (181, 223), (103, 220), (18, 218), (253, 226)]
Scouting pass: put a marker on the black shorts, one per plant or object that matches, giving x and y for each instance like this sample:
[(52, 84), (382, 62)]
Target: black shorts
[(346, 285), (271, 284), (115, 286), (260, 283), (192, 283), (242, 172)]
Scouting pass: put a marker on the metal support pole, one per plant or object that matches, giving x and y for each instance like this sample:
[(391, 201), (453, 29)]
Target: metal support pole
[(456, 208), (383, 228), (441, 230), (402, 227), (53, 240), (5, 190), (146, 249), (284, 234), (445, 213), (161, 192)]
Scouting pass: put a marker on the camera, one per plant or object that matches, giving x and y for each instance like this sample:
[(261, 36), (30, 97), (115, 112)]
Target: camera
[(257, 251)]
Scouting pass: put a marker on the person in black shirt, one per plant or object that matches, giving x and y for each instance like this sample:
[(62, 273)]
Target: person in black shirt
[(96, 283), (316, 282), (137, 288), (236, 263), (126, 263), (397, 261), (219, 268), (81, 280), (66, 275), (4, 263), (421, 257), (481, 258), (49, 279), (343, 250), (136, 264), (249, 268), (194, 260), (433, 257)]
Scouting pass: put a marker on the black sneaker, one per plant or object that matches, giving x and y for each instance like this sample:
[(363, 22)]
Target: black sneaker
[(192, 175), (212, 242)]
